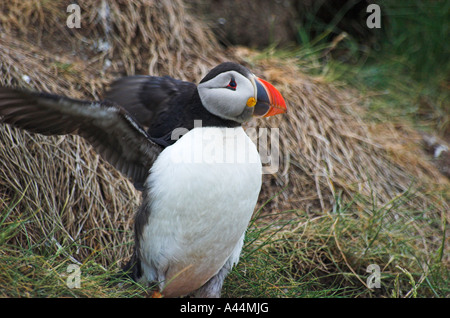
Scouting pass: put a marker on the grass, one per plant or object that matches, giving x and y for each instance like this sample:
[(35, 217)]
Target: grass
[(406, 71), (42, 268), (328, 256), (404, 81), (296, 256)]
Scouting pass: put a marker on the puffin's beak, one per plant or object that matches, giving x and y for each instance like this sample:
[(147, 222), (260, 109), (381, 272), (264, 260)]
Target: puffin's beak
[(269, 100)]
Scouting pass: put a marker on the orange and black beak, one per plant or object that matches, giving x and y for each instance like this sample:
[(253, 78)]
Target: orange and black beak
[(269, 101)]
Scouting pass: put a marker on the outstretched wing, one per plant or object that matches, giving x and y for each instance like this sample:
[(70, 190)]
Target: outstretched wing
[(147, 97), (114, 134)]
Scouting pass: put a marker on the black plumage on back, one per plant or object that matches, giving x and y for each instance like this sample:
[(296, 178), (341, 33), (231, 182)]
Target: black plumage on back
[(162, 104), (146, 97)]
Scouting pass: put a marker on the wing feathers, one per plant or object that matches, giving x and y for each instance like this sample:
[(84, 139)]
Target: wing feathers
[(145, 97), (110, 129)]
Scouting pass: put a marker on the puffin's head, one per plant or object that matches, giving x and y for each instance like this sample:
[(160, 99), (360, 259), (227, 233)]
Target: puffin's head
[(232, 92)]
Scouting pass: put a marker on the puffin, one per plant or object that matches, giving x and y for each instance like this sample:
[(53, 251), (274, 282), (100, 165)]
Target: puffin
[(183, 145)]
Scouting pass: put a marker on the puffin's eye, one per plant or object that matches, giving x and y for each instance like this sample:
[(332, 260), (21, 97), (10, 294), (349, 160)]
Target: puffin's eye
[(232, 84)]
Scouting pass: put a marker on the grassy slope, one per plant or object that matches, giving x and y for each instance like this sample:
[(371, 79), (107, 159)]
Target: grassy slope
[(405, 81), (322, 256)]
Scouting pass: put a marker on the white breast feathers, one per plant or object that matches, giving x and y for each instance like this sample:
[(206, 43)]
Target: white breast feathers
[(203, 191)]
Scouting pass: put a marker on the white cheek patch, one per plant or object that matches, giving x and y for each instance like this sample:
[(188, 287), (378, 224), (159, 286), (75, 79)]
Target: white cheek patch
[(222, 101)]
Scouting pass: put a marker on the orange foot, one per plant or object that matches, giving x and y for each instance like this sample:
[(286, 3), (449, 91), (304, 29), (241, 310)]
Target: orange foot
[(156, 294)]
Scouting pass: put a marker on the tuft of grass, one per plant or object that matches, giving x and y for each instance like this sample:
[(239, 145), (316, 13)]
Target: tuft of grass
[(329, 255), (416, 31), (53, 272), (286, 254), (407, 72)]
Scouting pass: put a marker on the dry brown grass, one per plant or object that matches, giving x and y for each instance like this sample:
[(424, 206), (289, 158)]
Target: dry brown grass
[(77, 195), (328, 148), (328, 151), (331, 155)]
